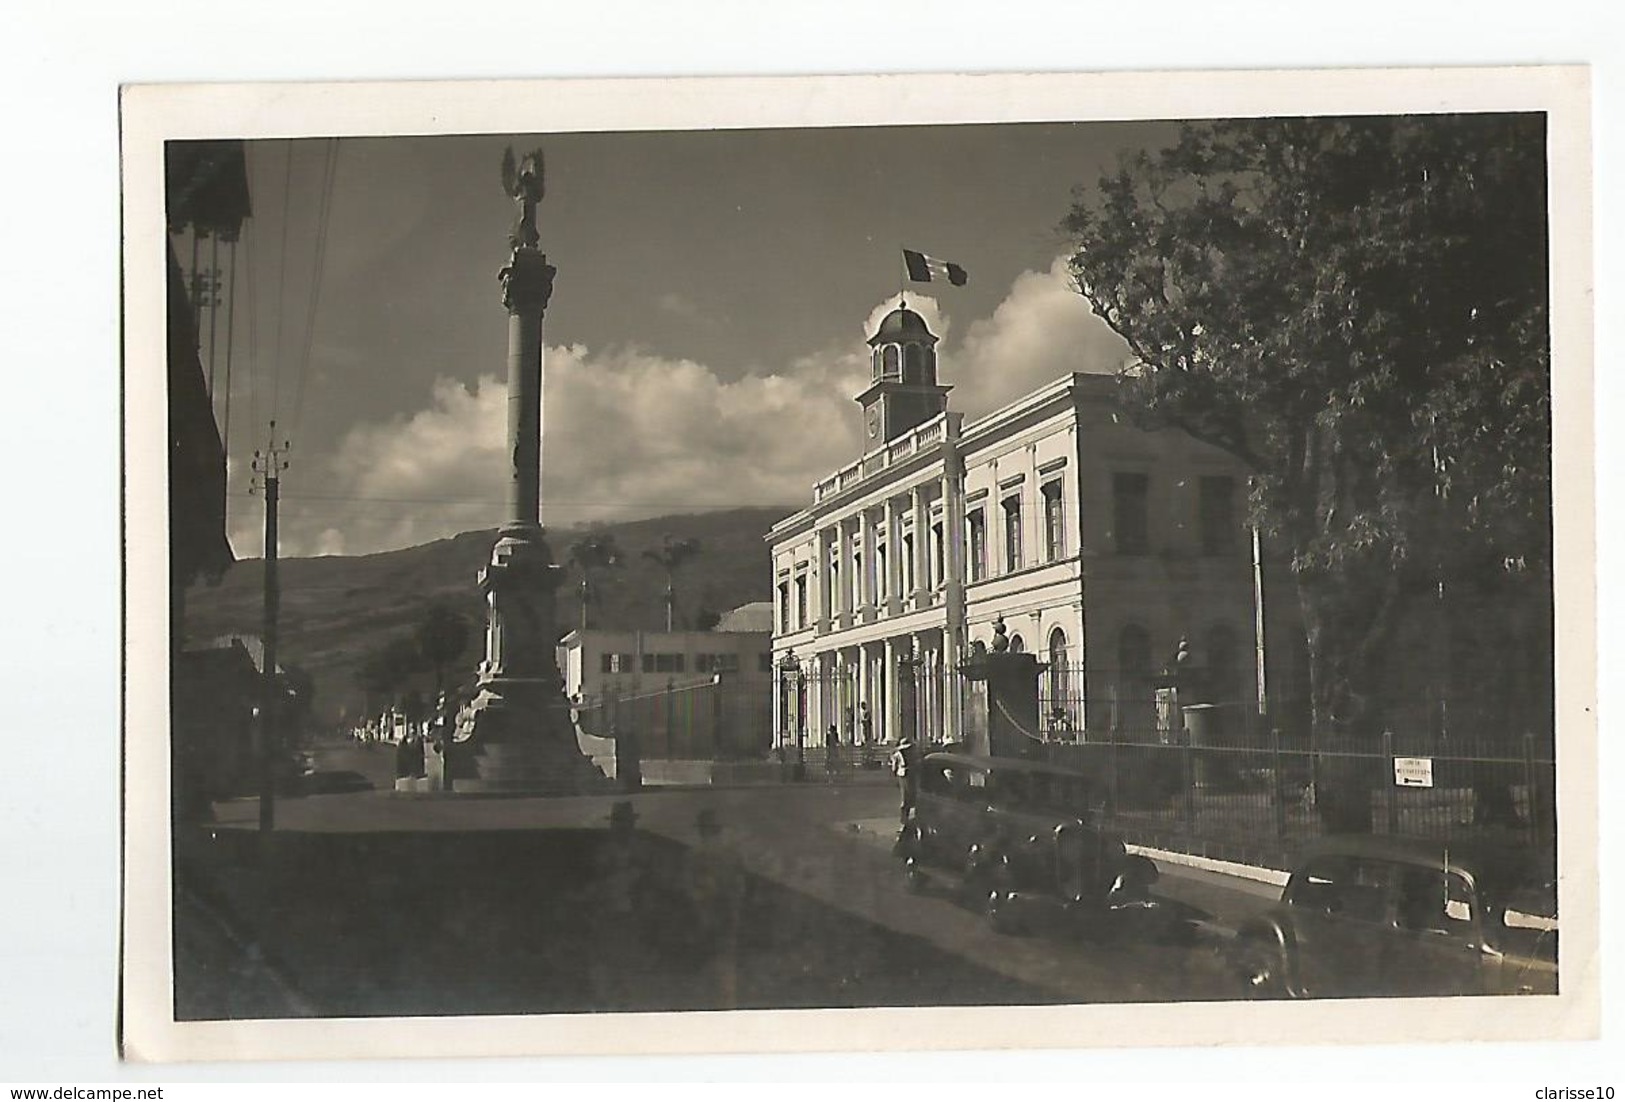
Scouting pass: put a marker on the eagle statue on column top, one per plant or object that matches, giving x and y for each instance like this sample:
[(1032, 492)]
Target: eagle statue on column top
[(524, 182)]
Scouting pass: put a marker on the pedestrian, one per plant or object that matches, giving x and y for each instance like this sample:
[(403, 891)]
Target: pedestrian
[(832, 751), (905, 766), (865, 724)]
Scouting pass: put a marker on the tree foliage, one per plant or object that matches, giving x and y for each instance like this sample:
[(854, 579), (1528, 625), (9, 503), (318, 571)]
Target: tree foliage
[(591, 555), (1358, 309), (440, 639)]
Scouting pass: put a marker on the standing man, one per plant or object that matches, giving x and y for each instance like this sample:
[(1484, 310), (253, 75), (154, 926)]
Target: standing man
[(905, 765)]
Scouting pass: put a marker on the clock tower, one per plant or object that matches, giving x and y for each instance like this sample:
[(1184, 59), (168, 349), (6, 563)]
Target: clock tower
[(903, 392)]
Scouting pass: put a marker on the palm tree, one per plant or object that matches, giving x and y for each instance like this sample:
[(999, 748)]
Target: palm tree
[(672, 554), (593, 552)]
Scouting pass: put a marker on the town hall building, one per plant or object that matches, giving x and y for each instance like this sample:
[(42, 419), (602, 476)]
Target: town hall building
[(1097, 545)]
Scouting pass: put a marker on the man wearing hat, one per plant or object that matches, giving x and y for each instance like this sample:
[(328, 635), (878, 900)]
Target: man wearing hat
[(905, 765)]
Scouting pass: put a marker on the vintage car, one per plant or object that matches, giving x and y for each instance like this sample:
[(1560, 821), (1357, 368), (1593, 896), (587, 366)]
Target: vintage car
[(1377, 915), (1015, 834)]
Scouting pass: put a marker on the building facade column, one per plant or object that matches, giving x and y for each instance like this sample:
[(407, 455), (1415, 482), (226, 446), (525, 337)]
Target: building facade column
[(954, 536), (890, 730), (922, 547)]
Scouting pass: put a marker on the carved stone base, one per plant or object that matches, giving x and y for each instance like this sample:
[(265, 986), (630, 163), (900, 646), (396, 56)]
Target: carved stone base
[(517, 739)]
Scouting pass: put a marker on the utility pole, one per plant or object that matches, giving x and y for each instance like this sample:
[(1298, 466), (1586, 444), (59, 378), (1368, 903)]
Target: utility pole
[(268, 466)]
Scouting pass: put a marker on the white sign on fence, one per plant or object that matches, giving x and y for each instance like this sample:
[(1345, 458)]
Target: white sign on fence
[(1413, 772)]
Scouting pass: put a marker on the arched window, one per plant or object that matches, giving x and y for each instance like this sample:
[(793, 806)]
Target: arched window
[(913, 363), (1059, 713), (1017, 646), (877, 363), (889, 359)]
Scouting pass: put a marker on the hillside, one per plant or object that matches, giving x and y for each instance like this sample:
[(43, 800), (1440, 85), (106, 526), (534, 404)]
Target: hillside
[(338, 609)]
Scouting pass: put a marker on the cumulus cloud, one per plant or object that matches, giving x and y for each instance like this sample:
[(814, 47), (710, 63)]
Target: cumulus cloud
[(1042, 330), (631, 434)]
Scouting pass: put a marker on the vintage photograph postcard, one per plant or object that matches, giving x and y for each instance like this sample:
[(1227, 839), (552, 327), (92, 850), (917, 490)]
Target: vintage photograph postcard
[(863, 563)]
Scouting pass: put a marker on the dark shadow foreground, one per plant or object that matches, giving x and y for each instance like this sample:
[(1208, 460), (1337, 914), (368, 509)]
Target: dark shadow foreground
[(521, 922)]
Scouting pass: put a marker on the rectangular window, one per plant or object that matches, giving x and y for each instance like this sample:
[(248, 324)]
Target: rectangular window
[(1216, 514), (726, 663), (857, 578), (702, 663), (670, 663), (908, 563), (648, 663), (1012, 533), (784, 607), (606, 663), (880, 571), (976, 544), (939, 569), (1054, 522), (801, 601), (1129, 494)]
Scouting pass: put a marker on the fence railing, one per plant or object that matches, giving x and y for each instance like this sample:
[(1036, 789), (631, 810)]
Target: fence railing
[(1246, 801)]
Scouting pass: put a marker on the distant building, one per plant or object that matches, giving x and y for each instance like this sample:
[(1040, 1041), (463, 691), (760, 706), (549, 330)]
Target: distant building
[(627, 662), (756, 616), (685, 694), (1099, 544)]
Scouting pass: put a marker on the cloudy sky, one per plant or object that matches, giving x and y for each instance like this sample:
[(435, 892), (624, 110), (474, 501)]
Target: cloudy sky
[(706, 333)]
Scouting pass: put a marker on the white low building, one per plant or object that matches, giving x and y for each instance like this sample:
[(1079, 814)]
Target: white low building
[(1100, 545), (599, 662)]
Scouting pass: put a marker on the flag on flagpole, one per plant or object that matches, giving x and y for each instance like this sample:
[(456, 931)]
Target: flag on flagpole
[(924, 269)]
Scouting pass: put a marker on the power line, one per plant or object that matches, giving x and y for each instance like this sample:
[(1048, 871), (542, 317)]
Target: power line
[(249, 261), (345, 499), (231, 318), (282, 274), (319, 267)]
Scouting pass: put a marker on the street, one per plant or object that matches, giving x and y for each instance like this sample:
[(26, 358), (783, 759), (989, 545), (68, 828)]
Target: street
[(374, 903)]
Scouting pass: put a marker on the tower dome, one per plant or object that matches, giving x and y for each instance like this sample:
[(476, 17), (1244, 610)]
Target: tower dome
[(902, 324), (904, 391)]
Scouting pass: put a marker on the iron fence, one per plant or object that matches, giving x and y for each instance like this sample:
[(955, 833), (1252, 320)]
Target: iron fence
[(712, 720), (1234, 798)]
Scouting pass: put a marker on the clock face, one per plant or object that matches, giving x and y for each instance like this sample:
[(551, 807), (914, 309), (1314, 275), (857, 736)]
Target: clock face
[(874, 422)]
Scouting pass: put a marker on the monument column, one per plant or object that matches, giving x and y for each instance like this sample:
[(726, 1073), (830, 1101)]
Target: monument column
[(518, 735)]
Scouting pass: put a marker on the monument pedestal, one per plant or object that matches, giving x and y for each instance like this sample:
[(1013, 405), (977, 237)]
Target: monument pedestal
[(517, 736)]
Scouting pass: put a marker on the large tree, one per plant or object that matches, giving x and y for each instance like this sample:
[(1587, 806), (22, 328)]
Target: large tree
[(1358, 309)]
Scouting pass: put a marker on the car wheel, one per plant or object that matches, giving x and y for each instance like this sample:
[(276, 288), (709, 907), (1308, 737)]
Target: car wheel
[(1263, 973)]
